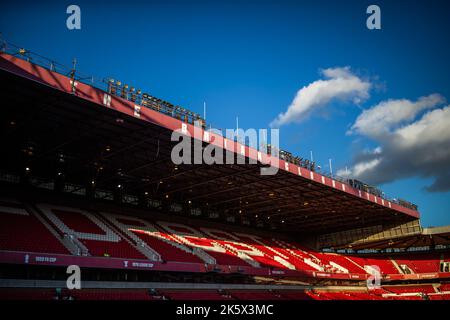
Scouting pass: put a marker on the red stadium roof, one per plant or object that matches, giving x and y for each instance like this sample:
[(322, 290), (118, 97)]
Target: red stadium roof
[(115, 141)]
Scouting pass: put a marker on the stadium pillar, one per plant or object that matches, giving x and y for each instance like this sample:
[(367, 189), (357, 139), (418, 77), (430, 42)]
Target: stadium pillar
[(165, 205), (25, 177), (90, 190), (118, 194)]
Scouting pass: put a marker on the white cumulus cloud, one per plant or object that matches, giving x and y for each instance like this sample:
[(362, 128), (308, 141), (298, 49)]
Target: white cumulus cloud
[(386, 115), (339, 84)]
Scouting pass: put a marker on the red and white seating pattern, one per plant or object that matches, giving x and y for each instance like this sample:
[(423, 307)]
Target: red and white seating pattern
[(383, 263), (26, 294)]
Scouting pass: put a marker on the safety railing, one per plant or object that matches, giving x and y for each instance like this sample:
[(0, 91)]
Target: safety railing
[(113, 87)]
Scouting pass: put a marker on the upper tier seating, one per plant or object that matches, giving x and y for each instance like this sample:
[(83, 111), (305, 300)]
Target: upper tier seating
[(439, 297), (295, 295), (424, 263), (168, 251), (130, 237), (20, 230), (203, 294), (268, 259), (383, 263), (223, 258), (294, 256), (108, 294), (332, 296), (99, 238), (420, 263), (195, 295)]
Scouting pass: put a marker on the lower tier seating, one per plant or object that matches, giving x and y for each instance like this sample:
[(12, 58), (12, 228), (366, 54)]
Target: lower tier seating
[(195, 295), (10, 294), (202, 294), (410, 289), (107, 294), (20, 230)]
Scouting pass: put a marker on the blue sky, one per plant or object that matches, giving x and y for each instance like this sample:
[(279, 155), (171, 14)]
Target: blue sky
[(249, 59)]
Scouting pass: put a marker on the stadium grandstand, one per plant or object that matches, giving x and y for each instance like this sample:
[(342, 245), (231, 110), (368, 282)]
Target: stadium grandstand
[(87, 179)]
